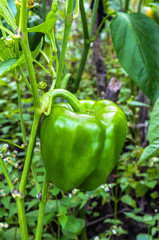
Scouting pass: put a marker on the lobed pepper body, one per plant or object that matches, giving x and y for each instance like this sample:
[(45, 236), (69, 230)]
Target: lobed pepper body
[(80, 150)]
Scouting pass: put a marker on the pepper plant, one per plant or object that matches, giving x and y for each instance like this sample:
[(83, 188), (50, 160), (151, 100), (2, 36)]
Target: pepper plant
[(95, 131)]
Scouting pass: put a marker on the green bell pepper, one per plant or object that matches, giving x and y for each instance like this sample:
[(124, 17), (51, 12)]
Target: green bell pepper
[(79, 150)]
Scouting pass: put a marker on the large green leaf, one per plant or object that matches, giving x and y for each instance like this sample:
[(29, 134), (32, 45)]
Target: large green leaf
[(136, 41), (153, 136)]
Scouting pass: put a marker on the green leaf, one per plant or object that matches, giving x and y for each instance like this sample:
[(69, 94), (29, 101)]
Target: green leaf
[(133, 216), (6, 202), (7, 65), (45, 27), (137, 103), (4, 51), (135, 39), (127, 199), (2, 212), (140, 189), (144, 236), (7, 16), (12, 209), (154, 230), (153, 136), (71, 224), (31, 204), (10, 233)]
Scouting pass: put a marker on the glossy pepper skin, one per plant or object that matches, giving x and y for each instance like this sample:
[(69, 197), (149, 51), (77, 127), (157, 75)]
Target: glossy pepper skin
[(80, 150)]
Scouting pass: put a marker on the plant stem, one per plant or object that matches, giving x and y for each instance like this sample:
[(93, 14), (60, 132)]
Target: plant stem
[(43, 12), (29, 152), (139, 6), (39, 230), (21, 112), (149, 231), (68, 24), (25, 79), (93, 18), (126, 6), (22, 219), (72, 100), (27, 53), (87, 35), (5, 172), (81, 214), (35, 178), (116, 193), (101, 25), (65, 81), (58, 55)]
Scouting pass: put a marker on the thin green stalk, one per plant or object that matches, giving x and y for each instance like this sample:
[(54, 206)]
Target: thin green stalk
[(21, 112), (59, 228), (101, 25), (87, 34), (81, 214), (22, 219), (149, 231), (126, 6), (139, 6), (68, 24), (116, 193), (93, 18), (9, 32), (48, 61), (58, 55), (5, 172), (81, 66), (39, 230), (43, 12), (65, 81), (85, 48), (30, 149), (27, 53), (35, 178), (121, 4), (25, 79)]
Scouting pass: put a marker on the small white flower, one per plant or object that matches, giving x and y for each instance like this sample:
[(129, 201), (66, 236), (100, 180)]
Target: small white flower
[(114, 231), (96, 238), (3, 194), (74, 191), (1, 225), (5, 225), (15, 151), (8, 153), (69, 195), (5, 146), (107, 189), (16, 165), (5, 159), (37, 143)]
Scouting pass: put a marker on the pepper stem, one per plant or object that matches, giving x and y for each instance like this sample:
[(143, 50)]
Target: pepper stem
[(68, 96)]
